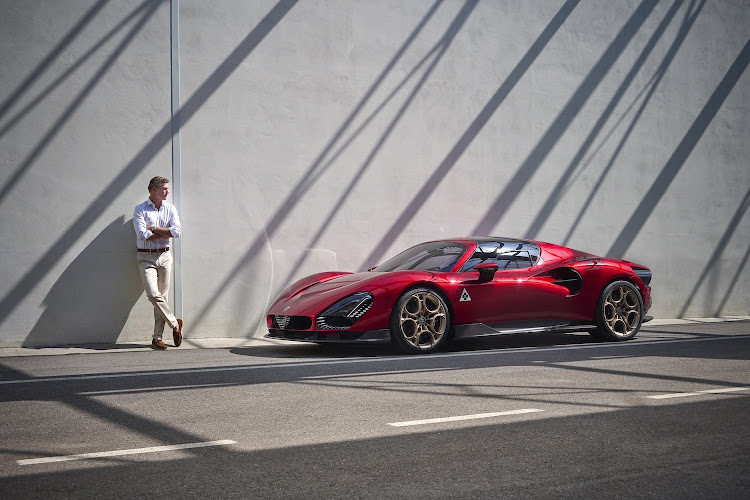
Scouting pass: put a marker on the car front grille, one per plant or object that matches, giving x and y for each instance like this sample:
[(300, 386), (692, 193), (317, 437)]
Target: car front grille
[(292, 322)]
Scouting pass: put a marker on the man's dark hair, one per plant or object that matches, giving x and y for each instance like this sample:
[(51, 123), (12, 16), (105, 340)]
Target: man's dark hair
[(157, 182)]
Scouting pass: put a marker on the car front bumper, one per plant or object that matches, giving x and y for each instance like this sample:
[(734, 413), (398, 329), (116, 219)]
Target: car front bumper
[(370, 336)]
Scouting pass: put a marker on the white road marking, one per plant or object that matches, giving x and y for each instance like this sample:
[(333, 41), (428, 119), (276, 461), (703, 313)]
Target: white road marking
[(463, 417), (119, 453), (698, 393), (377, 359)]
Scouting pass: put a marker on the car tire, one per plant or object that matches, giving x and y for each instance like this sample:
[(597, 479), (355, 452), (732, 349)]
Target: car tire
[(619, 312), (420, 321)]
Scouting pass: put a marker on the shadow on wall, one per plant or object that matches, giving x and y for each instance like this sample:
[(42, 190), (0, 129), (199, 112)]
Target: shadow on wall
[(92, 299), (129, 172)]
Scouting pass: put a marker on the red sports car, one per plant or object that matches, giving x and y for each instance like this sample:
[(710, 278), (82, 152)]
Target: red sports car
[(467, 287)]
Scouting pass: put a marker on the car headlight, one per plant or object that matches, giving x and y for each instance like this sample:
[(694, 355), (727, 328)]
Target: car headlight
[(344, 313)]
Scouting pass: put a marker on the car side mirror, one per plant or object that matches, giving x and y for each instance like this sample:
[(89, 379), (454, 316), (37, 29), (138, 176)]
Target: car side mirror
[(486, 271)]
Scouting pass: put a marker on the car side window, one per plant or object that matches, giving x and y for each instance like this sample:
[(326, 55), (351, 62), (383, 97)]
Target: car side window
[(439, 262), (518, 255), (518, 259), (507, 255), (485, 252)]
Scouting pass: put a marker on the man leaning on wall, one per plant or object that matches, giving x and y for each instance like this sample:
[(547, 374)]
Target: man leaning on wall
[(156, 222)]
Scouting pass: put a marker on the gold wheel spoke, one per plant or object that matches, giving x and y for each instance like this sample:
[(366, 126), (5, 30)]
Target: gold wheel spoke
[(622, 311), (423, 320)]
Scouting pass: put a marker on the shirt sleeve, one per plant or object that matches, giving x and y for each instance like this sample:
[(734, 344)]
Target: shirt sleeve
[(139, 223), (174, 223)]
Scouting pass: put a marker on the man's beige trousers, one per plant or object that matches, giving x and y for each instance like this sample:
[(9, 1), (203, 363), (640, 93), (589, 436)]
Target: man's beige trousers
[(156, 274)]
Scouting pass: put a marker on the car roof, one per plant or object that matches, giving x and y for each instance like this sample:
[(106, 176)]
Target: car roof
[(486, 239)]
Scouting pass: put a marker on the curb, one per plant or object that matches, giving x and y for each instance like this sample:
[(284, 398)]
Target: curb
[(187, 344)]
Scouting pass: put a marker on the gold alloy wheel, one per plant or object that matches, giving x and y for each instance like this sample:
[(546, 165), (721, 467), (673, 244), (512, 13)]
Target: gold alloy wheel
[(622, 311), (423, 320)]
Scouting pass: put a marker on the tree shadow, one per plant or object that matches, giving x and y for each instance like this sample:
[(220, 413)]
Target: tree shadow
[(680, 155), (18, 116), (690, 17), (470, 134), (51, 57), (738, 272), (715, 259), (566, 179), (70, 110), (439, 51), (93, 297), (312, 174), (22, 287), (628, 452), (628, 441), (563, 120)]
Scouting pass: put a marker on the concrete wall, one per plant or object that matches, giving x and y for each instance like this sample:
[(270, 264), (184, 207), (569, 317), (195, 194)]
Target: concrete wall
[(330, 135), (84, 90)]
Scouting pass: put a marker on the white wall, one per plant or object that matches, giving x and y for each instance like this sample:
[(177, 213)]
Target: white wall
[(331, 135), (84, 92)]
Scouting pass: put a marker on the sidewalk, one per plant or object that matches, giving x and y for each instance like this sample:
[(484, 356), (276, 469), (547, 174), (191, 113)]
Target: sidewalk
[(207, 343), (231, 343)]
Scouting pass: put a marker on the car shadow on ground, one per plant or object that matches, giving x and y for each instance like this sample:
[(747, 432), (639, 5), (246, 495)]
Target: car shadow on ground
[(499, 342)]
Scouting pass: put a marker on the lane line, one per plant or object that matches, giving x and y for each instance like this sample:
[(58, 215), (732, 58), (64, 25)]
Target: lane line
[(119, 453), (698, 393), (380, 359), (463, 417)]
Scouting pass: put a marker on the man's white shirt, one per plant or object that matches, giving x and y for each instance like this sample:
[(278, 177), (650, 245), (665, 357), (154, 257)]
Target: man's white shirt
[(146, 214)]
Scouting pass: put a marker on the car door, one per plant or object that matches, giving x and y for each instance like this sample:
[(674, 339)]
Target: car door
[(479, 301), (512, 295)]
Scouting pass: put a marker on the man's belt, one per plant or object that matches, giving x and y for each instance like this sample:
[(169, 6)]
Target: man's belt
[(157, 250)]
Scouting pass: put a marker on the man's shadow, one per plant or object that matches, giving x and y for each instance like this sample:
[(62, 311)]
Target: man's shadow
[(92, 299)]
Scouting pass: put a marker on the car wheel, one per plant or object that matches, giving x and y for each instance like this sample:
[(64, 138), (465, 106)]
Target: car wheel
[(420, 321), (619, 312)]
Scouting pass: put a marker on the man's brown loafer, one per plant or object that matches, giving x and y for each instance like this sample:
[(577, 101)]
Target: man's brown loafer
[(177, 333), (159, 345)]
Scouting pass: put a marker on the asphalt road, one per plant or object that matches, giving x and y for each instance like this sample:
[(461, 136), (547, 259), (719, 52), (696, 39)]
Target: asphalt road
[(526, 416)]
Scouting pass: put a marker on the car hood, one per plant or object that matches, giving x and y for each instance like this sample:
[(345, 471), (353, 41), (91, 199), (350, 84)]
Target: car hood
[(311, 296)]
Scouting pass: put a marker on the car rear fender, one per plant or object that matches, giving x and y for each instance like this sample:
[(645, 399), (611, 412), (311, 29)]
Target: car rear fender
[(566, 276), (643, 290)]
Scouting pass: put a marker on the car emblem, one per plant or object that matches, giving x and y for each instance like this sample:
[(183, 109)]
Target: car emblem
[(286, 308), (465, 296), (282, 321)]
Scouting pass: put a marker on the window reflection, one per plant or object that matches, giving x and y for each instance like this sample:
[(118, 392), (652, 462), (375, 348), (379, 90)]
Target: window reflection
[(507, 254), (438, 256)]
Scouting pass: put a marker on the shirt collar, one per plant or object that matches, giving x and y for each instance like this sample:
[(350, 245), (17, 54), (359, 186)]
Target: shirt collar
[(150, 202)]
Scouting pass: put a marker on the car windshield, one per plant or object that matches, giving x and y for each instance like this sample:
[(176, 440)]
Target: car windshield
[(439, 256)]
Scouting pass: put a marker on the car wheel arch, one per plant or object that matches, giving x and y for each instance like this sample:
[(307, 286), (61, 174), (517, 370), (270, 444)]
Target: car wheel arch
[(428, 285), (608, 334), (613, 280), (431, 286)]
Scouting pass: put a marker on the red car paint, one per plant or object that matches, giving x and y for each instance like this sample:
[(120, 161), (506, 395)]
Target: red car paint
[(549, 292)]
